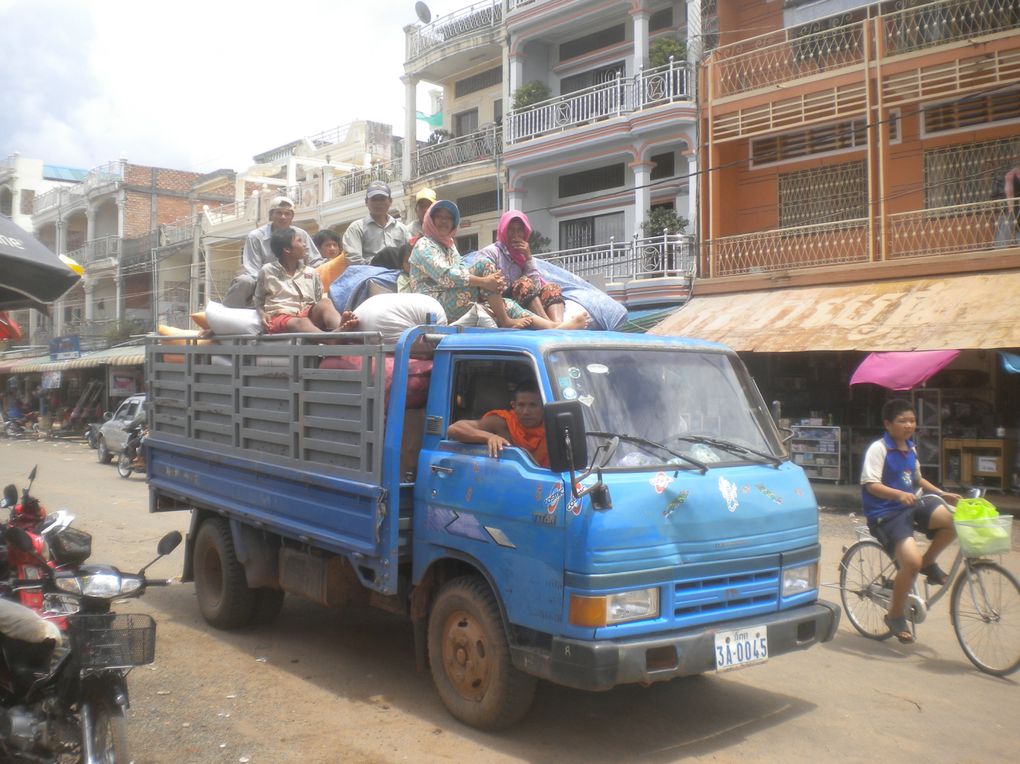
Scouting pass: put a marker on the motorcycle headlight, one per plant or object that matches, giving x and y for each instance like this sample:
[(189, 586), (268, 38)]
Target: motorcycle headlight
[(103, 585)]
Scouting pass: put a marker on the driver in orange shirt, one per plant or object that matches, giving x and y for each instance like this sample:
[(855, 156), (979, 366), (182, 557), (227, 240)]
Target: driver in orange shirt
[(520, 426)]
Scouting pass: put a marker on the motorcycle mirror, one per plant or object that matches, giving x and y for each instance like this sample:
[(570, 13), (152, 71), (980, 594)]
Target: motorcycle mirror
[(107, 416), (169, 543), (19, 539), (10, 495)]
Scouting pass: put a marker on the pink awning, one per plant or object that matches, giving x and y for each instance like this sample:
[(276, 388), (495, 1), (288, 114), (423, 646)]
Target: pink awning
[(902, 371)]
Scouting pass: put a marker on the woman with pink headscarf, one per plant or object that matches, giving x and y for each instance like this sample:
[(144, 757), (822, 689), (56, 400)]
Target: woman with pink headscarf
[(511, 254)]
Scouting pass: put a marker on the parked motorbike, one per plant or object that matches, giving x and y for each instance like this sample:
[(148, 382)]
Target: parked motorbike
[(67, 702), (22, 426), (133, 456), (92, 434)]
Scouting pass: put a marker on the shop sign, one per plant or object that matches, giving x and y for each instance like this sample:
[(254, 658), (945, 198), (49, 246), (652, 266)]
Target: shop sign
[(63, 348), (51, 380), (122, 383)]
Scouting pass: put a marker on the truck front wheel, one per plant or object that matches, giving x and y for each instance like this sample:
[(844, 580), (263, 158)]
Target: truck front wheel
[(470, 657), (224, 597)]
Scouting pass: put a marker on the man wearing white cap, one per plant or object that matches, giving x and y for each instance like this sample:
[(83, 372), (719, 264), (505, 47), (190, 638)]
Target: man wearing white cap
[(257, 253), (367, 237)]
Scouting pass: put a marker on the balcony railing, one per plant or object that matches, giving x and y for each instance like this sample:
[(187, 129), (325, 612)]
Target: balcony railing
[(656, 256), (102, 176), (98, 249), (182, 229), (354, 183), (786, 55), (475, 147), (623, 95), (512, 5), (938, 23), (978, 227), (781, 249), (949, 230), (482, 15), (245, 209)]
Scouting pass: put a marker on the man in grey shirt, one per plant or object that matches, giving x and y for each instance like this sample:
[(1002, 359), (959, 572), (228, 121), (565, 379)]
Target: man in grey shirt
[(365, 238), (257, 253)]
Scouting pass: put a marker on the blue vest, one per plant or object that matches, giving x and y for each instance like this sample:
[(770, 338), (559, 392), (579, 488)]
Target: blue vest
[(898, 472)]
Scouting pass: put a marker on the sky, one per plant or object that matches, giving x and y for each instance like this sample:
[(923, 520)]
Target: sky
[(196, 85)]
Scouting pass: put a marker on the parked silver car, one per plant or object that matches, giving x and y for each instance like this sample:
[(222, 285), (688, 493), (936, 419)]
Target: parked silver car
[(113, 435)]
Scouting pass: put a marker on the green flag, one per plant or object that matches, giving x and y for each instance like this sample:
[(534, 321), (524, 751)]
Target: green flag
[(432, 120)]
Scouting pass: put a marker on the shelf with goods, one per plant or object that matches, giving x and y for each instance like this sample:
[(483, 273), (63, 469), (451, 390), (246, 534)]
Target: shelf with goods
[(817, 448)]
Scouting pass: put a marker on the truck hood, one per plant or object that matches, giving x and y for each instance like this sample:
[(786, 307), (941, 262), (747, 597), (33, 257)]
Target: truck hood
[(662, 519)]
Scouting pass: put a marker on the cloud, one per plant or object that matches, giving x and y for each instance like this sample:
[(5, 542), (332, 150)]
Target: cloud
[(195, 85)]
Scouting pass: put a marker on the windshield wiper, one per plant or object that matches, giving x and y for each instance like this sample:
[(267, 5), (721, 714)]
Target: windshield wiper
[(651, 443), (728, 445)]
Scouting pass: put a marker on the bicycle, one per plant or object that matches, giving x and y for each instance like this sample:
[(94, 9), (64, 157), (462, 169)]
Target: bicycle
[(984, 604)]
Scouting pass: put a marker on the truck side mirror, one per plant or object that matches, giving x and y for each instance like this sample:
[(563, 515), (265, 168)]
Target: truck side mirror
[(565, 436)]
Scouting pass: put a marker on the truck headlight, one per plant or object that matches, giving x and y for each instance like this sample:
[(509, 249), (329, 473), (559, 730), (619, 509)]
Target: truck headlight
[(609, 609), (800, 579)]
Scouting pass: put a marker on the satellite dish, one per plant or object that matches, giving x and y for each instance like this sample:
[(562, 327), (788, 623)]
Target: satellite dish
[(423, 12)]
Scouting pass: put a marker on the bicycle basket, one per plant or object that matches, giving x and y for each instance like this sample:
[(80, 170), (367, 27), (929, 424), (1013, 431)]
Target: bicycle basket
[(985, 536), (113, 640)]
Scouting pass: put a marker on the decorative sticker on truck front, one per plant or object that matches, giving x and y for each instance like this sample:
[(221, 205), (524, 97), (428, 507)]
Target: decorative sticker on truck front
[(729, 493), (661, 482), (764, 489), (676, 503), (443, 520), (552, 501)]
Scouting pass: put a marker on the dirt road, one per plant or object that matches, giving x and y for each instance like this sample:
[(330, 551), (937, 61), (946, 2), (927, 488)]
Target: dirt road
[(327, 686)]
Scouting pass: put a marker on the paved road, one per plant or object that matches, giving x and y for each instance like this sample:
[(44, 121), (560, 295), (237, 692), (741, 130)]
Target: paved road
[(325, 686)]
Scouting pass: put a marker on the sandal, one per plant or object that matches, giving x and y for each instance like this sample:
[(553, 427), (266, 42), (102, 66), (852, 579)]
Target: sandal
[(935, 575), (900, 629)]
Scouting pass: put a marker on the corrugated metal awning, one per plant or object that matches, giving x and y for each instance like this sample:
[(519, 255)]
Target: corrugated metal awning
[(975, 311), (132, 355)]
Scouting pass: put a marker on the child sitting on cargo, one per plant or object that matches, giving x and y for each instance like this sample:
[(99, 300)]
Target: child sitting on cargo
[(891, 495), (289, 296)]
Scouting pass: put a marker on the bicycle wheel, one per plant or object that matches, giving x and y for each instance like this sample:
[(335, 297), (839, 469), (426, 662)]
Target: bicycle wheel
[(985, 610), (866, 573)]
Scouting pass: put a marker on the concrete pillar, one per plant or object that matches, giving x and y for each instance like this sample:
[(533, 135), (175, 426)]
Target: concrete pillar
[(515, 198), (642, 193), (516, 77), (410, 126), (692, 194), (640, 20), (90, 303), (121, 203), (90, 224)]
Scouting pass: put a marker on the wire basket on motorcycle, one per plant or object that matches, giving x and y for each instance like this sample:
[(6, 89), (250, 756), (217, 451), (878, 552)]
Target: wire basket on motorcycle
[(113, 640)]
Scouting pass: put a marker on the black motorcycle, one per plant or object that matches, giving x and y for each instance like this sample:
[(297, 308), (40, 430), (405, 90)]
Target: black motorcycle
[(132, 457), (66, 702)]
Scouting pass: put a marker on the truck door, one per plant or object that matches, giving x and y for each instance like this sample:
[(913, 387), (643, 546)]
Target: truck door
[(506, 513)]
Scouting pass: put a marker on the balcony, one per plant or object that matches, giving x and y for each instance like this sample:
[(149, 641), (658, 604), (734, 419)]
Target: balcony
[(243, 210), (97, 250), (354, 183), (486, 15), (670, 83), (177, 232), (481, 146), (956, 230), (669, 255), (785, 55)]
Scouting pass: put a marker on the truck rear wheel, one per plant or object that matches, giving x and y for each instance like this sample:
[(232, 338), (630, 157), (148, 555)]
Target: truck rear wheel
[(224, 598), (470, 657)]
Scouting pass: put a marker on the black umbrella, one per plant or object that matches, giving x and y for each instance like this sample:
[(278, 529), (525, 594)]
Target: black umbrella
[(30, 274)]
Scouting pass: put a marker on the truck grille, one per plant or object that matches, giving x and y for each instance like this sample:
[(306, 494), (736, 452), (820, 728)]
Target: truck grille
[(732, 595)]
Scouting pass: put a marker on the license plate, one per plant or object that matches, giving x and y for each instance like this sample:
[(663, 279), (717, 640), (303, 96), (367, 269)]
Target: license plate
[(741, 647)]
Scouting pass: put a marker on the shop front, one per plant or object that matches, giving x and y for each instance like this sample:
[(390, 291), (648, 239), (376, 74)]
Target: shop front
[(804, 344)]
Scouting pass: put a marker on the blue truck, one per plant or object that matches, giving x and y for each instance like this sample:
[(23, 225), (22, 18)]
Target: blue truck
[(671, 534)]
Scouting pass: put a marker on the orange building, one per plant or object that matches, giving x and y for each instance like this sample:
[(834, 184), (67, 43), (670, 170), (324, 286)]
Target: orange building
[(857, 161)]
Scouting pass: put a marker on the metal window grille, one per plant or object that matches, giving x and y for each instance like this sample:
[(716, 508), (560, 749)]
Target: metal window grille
[(823, 195), (587, 181), (478, 82), (975, 110), (967, 173), (815, 140), (475, 204), (601, 39)]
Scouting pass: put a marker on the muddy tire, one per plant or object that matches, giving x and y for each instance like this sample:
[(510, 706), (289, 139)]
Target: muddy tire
[(224, 598), (470, 657)]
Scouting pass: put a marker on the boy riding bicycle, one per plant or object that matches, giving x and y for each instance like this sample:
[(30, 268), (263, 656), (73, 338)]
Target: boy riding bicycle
[(891, 495)]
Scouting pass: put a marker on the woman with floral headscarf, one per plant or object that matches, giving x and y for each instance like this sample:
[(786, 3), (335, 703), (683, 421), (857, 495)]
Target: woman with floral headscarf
[(511, 254), (437, 269)]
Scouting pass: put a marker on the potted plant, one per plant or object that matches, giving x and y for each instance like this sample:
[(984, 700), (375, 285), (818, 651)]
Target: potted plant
[(530, 93), (661, 219), (661, 49)]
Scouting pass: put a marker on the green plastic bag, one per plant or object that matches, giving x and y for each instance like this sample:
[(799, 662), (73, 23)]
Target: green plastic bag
[(981, 530)]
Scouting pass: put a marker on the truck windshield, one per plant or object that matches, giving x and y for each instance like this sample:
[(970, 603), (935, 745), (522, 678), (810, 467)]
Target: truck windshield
[(685, 408)]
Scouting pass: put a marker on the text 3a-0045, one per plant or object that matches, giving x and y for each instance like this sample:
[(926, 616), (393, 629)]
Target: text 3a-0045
[(741, 647)]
